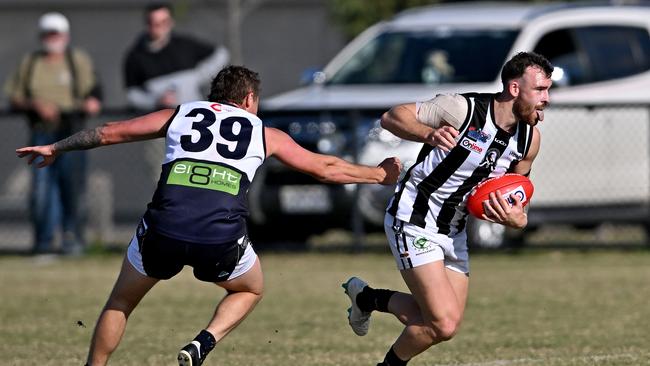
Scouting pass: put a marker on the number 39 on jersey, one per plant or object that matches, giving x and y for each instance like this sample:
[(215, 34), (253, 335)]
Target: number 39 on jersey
[(212, 146)]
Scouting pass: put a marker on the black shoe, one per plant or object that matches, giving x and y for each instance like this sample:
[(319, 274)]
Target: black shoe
[(190, 355)]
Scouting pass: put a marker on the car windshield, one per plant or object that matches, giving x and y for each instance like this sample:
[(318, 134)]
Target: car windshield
[(429, 57)]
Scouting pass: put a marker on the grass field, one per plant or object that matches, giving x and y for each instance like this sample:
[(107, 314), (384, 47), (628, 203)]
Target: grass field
[(533, 308)]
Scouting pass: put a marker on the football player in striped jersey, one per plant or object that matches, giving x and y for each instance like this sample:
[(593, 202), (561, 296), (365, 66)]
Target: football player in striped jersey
[(466, 138)]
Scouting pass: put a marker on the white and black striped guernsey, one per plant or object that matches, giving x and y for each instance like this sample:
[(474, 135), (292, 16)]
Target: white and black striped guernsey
[(212, 153), (433, 192)]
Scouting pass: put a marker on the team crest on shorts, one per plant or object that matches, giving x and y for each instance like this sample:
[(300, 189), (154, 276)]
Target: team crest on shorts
[(421, 243)]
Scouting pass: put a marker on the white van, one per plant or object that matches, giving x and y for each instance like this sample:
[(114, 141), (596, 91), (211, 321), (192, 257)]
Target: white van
[(594, 163)]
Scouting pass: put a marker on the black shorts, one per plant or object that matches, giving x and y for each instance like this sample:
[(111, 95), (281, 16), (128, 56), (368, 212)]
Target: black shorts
[(162, 257)]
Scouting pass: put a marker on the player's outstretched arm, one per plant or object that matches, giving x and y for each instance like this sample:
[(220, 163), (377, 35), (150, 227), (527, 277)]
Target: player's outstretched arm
[(150, 126), (326, 168)]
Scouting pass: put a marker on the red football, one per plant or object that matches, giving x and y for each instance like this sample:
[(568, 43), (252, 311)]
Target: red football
[(508, 184)]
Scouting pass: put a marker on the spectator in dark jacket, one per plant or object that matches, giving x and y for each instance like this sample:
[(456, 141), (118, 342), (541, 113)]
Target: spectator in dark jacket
[(163, 69)]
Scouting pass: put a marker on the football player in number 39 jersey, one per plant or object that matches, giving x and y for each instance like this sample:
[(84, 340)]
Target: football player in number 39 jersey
[(466, 139), (198, 211)]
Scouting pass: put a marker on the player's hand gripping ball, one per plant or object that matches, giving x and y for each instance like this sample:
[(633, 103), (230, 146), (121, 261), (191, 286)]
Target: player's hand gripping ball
[(509, 184)]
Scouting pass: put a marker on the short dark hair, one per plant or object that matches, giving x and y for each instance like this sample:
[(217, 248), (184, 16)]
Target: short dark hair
[(150, 8), (233, 83), (516, 66)]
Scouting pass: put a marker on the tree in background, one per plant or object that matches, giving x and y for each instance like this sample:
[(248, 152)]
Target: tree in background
[(356, 15)]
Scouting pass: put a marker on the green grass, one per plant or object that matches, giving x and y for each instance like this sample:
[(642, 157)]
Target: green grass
[(536, 308)]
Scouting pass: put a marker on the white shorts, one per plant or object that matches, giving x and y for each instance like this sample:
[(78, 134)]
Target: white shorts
[(413, 246)]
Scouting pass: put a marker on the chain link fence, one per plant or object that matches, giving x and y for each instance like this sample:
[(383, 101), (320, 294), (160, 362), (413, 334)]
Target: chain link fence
[(120, 182), (593, 167)]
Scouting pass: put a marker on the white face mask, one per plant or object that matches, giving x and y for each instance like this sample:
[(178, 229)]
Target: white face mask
[(55, 45)]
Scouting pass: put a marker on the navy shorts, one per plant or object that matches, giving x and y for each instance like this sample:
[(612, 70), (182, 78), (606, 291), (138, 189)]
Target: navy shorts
[(159, 256)]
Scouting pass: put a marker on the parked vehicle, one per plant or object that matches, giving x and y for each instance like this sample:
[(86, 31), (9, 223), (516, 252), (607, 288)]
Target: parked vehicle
[(594, 164)]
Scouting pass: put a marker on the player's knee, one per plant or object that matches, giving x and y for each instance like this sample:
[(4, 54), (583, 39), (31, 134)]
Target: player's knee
[(446, 328), (257, 289), (122, 304), (256, 292), (442, 330), (259, 293)]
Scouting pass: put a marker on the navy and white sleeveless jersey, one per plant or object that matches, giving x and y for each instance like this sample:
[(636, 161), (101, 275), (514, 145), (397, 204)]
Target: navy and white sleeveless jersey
[(212, 153), (434, 191)]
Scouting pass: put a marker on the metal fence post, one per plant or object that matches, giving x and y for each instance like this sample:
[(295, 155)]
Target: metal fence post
[(358, 229)]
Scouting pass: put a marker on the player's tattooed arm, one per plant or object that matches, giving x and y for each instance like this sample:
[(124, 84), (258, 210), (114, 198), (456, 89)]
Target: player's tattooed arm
[(82, 140), (149, 126)]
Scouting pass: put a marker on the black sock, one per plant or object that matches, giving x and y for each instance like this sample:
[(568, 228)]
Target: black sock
[(207, 341), (370, 299), (391, 359)]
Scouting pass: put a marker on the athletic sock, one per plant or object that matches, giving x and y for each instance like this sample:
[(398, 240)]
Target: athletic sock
[(371, 299), (391, 359), (207, 341)]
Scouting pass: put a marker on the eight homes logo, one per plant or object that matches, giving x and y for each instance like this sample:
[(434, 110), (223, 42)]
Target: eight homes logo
[(205, 175)]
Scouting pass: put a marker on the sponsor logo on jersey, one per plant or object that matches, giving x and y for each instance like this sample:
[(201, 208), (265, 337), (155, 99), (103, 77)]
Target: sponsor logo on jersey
[(478, 135), (500, 142), (516, 154), (205, 175), (490, 159), (471, 145)]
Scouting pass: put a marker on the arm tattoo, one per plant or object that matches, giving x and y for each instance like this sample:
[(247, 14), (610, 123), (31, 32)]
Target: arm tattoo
[(82, 140)]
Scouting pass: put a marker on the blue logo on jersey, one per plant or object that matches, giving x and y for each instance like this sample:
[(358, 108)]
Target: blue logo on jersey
[(478, 135)]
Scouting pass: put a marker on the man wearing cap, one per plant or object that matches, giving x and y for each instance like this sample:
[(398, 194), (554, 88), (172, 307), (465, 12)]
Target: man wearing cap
[(55, 86)]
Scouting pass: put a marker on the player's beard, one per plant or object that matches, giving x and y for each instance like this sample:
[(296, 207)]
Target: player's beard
[(529, 114)]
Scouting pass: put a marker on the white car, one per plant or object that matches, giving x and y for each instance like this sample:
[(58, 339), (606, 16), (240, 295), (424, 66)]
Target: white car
[(594, 163)]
